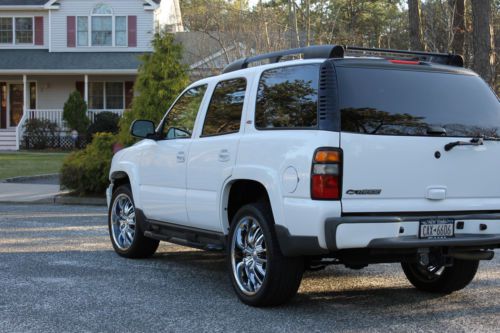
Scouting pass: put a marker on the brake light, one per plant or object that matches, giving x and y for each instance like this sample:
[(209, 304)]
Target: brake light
[(405, 62), (326, 174)]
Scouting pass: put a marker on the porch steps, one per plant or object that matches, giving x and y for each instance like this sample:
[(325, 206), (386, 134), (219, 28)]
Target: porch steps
[(7, 139)]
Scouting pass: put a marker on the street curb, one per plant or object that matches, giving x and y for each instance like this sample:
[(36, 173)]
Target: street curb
[(72, 200), (24, 179)]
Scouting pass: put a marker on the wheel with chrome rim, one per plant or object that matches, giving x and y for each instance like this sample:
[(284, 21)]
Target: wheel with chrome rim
[(249, 255), (260, 274), (124, 225), (440, 279)]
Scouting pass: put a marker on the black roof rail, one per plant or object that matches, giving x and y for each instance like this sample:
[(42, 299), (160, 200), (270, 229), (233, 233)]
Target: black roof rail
[(440, 58), (309, 52)]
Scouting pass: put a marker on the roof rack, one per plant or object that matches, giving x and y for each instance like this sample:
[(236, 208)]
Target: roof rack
[(337, 51), (309, 52), (439, 58)]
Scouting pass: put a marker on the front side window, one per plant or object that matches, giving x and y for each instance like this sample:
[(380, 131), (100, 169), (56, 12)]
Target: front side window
[(6, 32), (96, 95), (114, 95), (288, 97), (416, 103), (179, 122), (224, 112), (102, 31), (24, 30), (83, 31), (102, 9)]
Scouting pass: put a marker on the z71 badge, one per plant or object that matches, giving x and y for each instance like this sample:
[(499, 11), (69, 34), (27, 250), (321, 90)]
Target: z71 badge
[(364, 192)]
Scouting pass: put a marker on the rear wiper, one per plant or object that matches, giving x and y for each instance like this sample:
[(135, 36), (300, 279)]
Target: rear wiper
[(473, 142)]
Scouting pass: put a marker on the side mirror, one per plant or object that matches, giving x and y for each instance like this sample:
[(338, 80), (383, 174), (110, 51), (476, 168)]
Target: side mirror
[(143, 129)]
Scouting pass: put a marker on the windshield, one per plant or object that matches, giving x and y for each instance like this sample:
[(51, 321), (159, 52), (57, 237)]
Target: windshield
[(402, 102)]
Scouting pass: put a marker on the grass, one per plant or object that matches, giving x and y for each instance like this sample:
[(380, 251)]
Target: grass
[(29, 163)]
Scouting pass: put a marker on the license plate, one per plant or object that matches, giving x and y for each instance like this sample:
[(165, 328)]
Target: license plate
[(437, 228)]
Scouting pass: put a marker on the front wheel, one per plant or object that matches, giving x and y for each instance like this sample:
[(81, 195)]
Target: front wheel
[(260, 274), (439, 279), (125, 229)]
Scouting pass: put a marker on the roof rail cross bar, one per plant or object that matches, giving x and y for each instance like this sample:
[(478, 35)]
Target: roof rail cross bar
[(440, 58), (309, 52)]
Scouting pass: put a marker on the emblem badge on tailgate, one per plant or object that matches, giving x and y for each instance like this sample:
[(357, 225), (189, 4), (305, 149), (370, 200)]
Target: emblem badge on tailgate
[(364, 192)]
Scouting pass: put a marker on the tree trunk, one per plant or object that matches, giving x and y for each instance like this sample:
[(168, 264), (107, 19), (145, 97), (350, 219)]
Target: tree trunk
[(458, 9), (414, 25), (483, 44)]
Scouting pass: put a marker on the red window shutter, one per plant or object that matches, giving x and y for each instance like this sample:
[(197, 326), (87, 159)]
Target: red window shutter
[(80, 87), (39, 30), (71, 30), (129, 94), (132, 31)]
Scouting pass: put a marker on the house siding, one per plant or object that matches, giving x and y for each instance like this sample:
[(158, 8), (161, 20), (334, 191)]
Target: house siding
[(33, 14), (145, 24)]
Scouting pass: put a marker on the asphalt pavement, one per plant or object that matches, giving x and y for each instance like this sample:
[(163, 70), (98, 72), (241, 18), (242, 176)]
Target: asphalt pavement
[(58, 273)]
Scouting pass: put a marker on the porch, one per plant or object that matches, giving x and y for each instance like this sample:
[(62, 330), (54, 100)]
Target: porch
[(24, 97)]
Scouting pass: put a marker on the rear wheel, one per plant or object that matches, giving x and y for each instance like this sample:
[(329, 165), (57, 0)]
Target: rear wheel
[(439, 279), (125, 229), (260, 274)]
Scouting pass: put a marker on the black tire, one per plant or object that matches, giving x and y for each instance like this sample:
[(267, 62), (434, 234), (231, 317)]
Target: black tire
[(141, 246), (283, 274), (451, 278)]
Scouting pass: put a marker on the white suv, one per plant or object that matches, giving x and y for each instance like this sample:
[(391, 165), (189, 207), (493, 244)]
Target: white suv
[(297, 164)]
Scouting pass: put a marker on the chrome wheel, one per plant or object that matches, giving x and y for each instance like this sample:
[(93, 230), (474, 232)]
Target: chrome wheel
[(249, 255), (123, 221)]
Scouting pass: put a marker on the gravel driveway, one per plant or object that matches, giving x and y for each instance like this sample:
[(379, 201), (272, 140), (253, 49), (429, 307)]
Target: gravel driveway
[(58, 273)]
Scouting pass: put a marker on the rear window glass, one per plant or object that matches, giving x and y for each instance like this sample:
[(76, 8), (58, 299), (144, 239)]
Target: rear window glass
[(288, 98), (400, 102)]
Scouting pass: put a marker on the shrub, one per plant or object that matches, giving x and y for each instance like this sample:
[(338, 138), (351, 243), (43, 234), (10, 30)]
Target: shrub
[(75, 113), (161, 78), (86, 171), (104, 122), (38, 133)]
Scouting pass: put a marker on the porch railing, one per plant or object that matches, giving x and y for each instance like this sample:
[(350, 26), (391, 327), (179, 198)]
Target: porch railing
[(56, 116)]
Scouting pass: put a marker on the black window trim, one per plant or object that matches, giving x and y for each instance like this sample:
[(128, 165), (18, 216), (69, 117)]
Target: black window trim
[(316, 128), (161, 126), (210, 101)]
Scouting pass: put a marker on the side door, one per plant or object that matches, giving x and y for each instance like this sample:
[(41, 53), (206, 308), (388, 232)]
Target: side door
[(163, 162), (213, 155)]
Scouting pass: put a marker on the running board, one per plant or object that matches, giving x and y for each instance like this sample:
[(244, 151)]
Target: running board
[(186, 236)]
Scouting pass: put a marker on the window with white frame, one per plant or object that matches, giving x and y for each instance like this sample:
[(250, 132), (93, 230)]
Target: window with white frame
[(18, 30), (6, 31), (106, 96), (24, 30), (102, 28)]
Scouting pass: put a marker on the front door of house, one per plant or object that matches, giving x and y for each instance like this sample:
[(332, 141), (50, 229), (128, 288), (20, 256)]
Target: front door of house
[(3, 105), (16, 101)]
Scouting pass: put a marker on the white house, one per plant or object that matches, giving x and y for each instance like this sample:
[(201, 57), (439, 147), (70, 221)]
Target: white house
[(50, 48)]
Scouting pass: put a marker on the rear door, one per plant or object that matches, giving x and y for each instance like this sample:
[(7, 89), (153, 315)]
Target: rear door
[(213, 155), (395, 124)]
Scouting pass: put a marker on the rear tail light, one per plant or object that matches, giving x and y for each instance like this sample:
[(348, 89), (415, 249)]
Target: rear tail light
[(326, 174)]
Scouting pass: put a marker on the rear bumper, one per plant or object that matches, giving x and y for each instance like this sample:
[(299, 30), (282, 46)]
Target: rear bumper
[(401, 232)]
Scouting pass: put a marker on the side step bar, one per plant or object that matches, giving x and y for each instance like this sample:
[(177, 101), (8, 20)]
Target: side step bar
[(186, 236)]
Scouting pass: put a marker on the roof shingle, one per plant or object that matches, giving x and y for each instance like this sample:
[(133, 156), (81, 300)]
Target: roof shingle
[(23, 2)]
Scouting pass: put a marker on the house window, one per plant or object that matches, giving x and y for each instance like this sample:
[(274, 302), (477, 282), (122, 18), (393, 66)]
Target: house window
[(32, 95), (83, 31), (109, 96), (24, 30), (96, 95), (114, 95), (102, 9), (6, 31), (121, 31)]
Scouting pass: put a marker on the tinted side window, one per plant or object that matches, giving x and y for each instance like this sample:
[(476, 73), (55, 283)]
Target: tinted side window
[(224, 112), (288, 98), (179, 122)]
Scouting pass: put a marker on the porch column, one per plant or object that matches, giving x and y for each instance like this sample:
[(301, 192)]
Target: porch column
[(86, 91), (25, 93)]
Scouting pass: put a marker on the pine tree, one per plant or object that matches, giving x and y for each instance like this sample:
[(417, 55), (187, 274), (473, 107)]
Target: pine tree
[(161, 78)]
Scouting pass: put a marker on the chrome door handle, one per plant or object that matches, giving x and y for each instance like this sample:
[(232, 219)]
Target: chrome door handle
[(181, 157), (224, 155)]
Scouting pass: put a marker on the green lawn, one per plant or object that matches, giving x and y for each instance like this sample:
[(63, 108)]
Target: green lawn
[(29, 164)]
